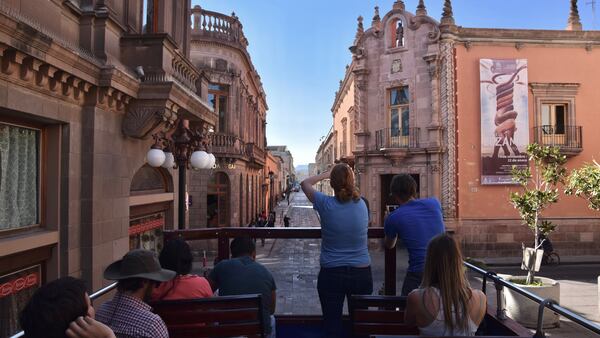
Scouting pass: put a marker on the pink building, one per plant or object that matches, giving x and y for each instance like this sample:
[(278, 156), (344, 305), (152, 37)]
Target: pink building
[(455, 107)]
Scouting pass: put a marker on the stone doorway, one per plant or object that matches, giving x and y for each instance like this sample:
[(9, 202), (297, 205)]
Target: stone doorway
[(387, 202)]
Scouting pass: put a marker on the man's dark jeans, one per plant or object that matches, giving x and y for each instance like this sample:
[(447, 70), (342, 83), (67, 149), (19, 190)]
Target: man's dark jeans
[(335, 284), (412, 281)]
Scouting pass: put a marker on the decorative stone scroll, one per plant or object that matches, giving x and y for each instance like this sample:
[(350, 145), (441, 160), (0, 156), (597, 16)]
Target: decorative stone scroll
[(142, 120)]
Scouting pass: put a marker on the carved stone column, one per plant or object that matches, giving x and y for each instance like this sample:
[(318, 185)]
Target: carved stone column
[(448, 110)]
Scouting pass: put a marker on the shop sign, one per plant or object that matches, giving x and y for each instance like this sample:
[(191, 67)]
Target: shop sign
[(146, 226), (18, 281)]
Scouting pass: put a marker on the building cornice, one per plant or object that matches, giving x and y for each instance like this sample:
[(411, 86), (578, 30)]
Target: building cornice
[(533, 36), (343, 90)]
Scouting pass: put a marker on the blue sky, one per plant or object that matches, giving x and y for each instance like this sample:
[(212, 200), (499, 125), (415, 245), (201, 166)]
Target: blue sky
[(300, 49)]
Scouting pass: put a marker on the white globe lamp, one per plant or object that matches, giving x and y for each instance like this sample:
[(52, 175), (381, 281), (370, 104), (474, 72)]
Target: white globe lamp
[(200, 159), (155, 157), (169, 160), (213, 160)]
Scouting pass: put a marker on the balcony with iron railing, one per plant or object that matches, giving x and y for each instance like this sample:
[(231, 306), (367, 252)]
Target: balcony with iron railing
[(568, 138), (393, 139)]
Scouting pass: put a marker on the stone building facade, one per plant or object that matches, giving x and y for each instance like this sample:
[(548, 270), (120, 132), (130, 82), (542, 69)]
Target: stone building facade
[(410, 103), (83, 85), (236, 189), (288, 171)]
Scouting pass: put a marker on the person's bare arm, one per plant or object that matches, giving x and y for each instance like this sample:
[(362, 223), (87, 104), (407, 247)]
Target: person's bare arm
[(390, 242), (307, 185), (410, 314)]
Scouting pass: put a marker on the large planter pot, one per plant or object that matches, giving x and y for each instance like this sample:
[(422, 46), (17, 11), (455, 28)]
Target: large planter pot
[(525, 311)]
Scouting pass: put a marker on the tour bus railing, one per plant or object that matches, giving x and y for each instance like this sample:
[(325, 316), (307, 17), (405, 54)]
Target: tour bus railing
[(223, 235), (551, 304)]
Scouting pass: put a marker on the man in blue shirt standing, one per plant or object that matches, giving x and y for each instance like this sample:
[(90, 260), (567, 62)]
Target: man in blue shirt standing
[(416, 222)]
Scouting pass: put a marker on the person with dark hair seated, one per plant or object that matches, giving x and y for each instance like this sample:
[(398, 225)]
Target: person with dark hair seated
[(177, 256), (60, 309), (127, 314), (242, 275)]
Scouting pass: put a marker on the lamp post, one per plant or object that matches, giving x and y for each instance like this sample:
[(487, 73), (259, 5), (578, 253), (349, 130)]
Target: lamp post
[(179, 150)]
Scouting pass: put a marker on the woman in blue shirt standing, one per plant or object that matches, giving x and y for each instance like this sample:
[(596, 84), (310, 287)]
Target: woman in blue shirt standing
[(345, 262)]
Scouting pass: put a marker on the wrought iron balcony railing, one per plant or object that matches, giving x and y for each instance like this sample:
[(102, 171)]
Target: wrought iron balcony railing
[(392, 139), (568, 138)]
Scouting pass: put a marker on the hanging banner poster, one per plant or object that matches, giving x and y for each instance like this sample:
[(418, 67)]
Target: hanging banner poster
[(504, 119)]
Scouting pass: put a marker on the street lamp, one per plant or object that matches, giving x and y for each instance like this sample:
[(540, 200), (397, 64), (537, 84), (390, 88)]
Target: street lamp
[(184, 147)]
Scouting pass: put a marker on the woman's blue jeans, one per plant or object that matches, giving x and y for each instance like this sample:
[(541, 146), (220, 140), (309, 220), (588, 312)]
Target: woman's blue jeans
[(336, 284)]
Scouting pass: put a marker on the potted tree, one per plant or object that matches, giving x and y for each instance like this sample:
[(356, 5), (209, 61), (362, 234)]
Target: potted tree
[(539, 185)]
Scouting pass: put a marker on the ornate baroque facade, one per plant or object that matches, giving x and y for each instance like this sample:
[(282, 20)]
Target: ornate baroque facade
[(409, 103), (238, 186)]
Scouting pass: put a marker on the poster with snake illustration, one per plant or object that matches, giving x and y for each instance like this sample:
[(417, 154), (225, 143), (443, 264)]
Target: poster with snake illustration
[(504, 118)]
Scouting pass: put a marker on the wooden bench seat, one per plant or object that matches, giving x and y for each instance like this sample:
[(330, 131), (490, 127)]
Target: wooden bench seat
[(225, 316), (378, 315)]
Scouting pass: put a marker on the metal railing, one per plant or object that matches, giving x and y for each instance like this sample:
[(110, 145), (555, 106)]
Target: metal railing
[(550, 304), (566, 137), (93, 296), (223, 235), (392, 139)]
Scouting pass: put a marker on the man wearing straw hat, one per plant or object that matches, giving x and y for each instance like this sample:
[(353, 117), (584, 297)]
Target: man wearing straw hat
[(127, 314)]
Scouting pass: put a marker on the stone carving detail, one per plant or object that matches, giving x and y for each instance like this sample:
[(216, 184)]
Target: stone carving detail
[(448, 121), (415, 22), (396, 66), (142, 121)]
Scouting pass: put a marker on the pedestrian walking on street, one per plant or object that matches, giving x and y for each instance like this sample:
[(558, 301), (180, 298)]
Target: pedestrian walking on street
[(416, 222), (286, 221), (345, 261), (271, 219)]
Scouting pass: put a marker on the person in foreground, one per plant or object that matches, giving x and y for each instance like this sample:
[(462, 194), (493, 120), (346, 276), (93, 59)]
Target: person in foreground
[(242, 275), (416, 222), (60, 309), (445, 304), (345, 261), (128, 314), (177, 256)]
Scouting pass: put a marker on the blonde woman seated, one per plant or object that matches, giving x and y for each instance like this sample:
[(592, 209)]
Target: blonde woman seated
[(445, 304)]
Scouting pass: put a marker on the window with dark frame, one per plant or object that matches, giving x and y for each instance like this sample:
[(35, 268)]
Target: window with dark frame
[(19, 177), (217, 97), (399, 111)]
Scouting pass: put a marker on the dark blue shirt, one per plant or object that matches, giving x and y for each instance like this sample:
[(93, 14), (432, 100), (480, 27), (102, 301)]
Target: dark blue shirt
[(242, 275), (416, 223)]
